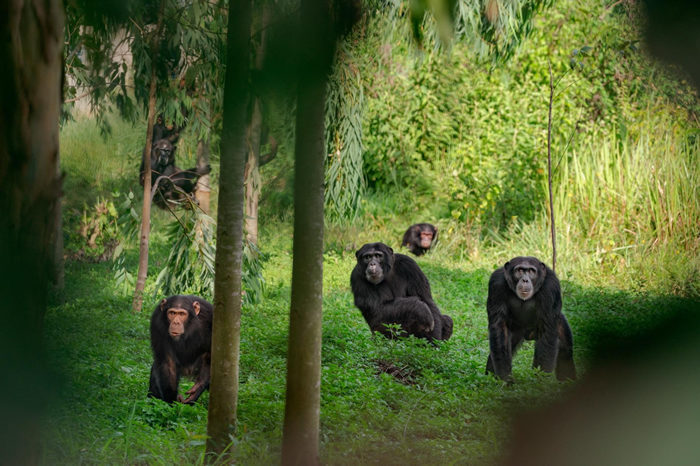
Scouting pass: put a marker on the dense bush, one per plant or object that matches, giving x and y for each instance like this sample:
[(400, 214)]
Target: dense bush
[(473, 134)]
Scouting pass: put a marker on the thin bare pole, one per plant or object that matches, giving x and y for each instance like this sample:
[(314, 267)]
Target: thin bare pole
[(549, 169)]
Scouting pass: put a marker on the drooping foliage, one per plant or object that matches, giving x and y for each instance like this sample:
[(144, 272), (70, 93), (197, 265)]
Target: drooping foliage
[(189, 268), (108, 59), (490, 29), (345, 104)]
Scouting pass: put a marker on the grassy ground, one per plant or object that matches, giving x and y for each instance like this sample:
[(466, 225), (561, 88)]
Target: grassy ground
[(391, 402)]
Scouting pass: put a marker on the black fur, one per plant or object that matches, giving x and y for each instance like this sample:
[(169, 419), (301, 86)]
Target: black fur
[(513, 319), (179, 185), (190, 355), (401, 296), (412, 239)]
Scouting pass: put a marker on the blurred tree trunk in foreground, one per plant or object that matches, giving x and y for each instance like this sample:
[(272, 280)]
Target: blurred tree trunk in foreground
[(229, 234), (31, 54), (302, 405)]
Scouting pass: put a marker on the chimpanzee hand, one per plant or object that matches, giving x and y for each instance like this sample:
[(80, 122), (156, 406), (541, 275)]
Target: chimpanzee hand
[(193, 393), (205, 170), (425, 320)]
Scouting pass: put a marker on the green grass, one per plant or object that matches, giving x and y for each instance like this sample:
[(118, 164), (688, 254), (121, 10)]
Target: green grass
[(628, 254), (446, 411)]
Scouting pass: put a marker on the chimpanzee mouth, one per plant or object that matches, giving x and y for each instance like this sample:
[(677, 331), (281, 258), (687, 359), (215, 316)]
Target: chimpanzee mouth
[(374, 277), (176, 336), (525, 294), (425, 244)]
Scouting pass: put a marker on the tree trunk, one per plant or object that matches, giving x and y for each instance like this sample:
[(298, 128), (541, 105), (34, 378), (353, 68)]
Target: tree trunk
[(146, 214), (229, 234), (252, 171), (302, 405), (252, 174), (203, 186), (30, 100)]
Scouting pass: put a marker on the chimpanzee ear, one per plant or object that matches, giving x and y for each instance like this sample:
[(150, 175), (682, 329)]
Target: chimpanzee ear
[(162, 304), (505, 266), (357, 254), (195, 305), (543, 266)]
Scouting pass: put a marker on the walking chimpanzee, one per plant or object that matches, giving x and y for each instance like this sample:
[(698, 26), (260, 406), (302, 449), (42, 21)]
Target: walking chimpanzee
[(524, 303), (181, 344)]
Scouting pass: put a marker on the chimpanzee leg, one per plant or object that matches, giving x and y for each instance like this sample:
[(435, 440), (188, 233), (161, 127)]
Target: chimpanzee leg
[(546, 347), (565, 359), (164, 381), (511, 343)]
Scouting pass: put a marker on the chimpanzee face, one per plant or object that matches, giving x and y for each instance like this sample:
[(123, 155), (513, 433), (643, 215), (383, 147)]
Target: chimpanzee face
[(178, 316), (163, 151), (376, 261), (525, 276), (426, 239)]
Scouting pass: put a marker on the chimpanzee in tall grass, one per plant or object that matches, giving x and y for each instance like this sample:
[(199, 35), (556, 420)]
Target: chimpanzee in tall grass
[(181, 344), (392, 289), (419, 237), (524, 303)]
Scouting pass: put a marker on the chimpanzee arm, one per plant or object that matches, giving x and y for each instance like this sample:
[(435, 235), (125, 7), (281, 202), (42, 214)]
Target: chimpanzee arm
[(270, 156), (406, 311), (547, 344), (202, 382), (501, 356), (164, 380)]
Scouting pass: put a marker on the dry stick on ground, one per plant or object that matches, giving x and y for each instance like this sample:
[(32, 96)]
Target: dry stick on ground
[(549, 168), (146, 215)]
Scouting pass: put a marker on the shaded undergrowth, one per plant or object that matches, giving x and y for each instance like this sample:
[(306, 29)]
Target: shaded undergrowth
[(393, 402)]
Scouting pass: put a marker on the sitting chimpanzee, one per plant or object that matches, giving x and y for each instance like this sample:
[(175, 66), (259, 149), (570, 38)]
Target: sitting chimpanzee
[(181, 344), (179, 184), (391, 289), (162, 158), (419, 237), (524, 303)]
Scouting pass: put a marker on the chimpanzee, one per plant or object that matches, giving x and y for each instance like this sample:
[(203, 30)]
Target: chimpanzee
[(419, 237), (162, 157), (391, 289), (181, 344), (524, 303), (179, 184)]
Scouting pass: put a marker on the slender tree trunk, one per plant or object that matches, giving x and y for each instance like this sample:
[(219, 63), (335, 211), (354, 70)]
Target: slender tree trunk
[(203, 187), (31, 53), (146, 214), (229, 234), (549, 170), (252, 172), (302, 405)]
